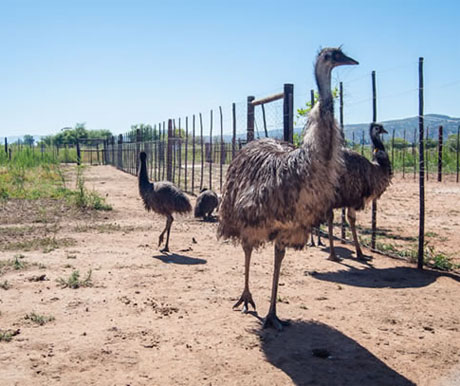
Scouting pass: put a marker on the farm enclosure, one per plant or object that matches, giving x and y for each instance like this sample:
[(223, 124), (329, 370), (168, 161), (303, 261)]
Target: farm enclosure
[(166, 319)]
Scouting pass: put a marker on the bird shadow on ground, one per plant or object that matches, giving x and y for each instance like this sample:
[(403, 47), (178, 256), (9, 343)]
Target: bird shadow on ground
[(313, 353), (370, 277), (174, 258), (346, 253)]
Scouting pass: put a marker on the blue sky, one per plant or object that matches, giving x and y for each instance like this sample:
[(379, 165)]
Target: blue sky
[(116, 63)]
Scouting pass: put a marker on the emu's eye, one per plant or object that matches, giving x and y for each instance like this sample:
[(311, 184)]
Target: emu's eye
[(328, 56)]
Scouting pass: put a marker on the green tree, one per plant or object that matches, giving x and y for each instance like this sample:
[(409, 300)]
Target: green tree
[(28, 140)]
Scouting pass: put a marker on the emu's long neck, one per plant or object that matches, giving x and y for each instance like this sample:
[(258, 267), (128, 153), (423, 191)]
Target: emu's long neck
[(323, 80), (143, 177), (379, 154)]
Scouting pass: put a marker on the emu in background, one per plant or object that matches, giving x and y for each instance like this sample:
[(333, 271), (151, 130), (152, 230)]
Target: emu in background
[(361, 182), (163, 198)]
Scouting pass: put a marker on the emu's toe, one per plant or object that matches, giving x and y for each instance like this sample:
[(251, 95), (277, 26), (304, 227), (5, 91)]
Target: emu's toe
[(246, 298)]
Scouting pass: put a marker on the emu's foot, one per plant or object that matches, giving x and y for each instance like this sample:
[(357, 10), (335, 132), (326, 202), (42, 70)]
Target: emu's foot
[(311, 244), (271, 320), (165, 249), (334, 258), (246, 298), (321, 244)]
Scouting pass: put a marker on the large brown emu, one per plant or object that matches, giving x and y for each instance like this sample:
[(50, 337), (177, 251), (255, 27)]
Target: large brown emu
[(361, 182), (276, 192), (163, 198), (206, 202)]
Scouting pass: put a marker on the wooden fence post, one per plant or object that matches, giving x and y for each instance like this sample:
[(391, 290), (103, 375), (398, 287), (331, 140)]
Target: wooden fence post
[(234, 130), (414, 153), (440, 154), (404, 154), (288, 113), (6, 145), (222, 148), (120, 152), (210, 152), (193, 154), (458, 149), (250, 121), (342, 226), (202, 151), (374, 202), (186, 150), (78, 153), (169, 151), (138, 148), (421, 232)]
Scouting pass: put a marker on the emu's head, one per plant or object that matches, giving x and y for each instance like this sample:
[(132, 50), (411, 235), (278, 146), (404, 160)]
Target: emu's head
[(376, 129), (142, 156), (328, 58)]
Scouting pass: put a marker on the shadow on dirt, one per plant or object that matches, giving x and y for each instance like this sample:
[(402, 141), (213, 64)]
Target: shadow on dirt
[(312, 353), (345, 253), (370, 277), (175, 258)]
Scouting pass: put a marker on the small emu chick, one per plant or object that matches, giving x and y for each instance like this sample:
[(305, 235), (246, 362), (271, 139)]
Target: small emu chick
[(206, 202), (361, 182), (163, 198)]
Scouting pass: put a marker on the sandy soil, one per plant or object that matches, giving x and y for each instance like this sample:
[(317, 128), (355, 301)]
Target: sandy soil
[(155, 319)]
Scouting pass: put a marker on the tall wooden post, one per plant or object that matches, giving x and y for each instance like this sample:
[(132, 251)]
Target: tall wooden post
[(210, 152), (138, 148), (6, 145), (458, 149), (374, 202), (440, 154), (78, 153), (120, 152), (342, 227), (186, 150), (250, 127), (234, 130), (288, 113), (193, 153), (421, 232), (222, 149), (169, 151), (404, 154)]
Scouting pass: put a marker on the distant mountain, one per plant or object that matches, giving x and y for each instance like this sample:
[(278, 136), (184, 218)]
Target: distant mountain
[(431, 121)]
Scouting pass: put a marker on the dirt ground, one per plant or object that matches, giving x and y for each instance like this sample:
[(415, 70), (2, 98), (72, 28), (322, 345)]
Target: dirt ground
[(156, 319)]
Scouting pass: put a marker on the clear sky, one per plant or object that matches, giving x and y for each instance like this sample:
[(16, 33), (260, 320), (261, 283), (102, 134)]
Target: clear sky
[(116, 63)]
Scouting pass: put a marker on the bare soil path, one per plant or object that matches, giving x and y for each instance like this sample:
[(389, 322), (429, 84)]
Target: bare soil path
[(154, 319)]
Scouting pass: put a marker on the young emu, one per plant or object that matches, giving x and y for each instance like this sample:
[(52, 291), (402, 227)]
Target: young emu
[(206, 202), (361, 182), (163, 198), (275, 192)]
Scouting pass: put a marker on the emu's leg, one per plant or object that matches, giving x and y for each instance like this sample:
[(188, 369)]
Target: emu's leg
[(312, 242), (271, 319), (351, 216), (330, 219), (167, 229), (246, 297), (320, 243)]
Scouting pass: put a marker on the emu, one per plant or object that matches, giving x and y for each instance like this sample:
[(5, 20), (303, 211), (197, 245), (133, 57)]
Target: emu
[(206, 202), (361, 182), (163, 198), (276, 192)]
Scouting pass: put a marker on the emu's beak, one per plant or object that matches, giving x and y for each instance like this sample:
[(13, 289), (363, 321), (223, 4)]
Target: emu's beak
[(344, 59), (383, 131)]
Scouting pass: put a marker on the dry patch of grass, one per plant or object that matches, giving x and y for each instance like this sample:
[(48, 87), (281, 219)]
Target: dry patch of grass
[(74, 281)]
